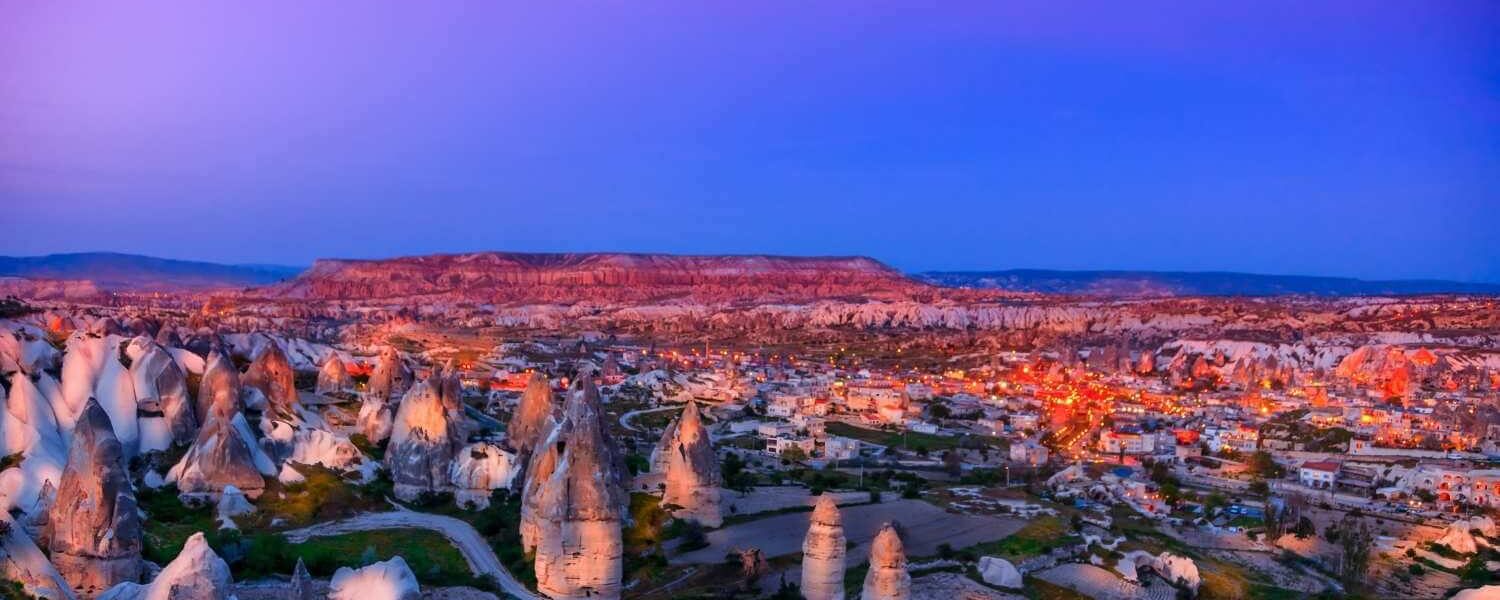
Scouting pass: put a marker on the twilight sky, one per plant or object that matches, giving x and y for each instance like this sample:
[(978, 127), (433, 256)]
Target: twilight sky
[(1337, 138)]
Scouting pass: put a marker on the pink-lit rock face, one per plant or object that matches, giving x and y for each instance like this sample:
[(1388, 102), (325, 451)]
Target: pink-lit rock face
[(386, 580), (94, 528), (823, 552), (887, 578), (503, 276), (272, 374), (224, 454), (333, 377), (220, 384), (535, 416), (422, 445), (692, 470), (375, 420), (573, 505), (390, 378)]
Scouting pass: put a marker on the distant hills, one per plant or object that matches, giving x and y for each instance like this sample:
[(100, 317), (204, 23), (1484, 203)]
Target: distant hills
[(110, 271), (1180, 283), (513, 276)]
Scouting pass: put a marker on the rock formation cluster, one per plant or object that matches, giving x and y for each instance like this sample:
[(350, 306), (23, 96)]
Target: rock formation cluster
[(823, 552)]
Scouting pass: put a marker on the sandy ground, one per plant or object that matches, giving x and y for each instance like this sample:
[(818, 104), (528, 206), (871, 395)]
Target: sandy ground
[(925, 526), (476, 550)]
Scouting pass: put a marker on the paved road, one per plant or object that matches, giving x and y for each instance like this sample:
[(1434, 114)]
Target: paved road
[(476, 550), (925, 527)]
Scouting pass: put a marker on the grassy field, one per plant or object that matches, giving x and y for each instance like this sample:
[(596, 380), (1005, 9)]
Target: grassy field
[(431, 557), (911, 439), (1038, 537)]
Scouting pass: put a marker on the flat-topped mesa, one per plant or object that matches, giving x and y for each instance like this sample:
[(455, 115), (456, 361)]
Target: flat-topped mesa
[(823, 552), (887, 578), (574, 505), (94, 527), (221, 383), (224, 454), (161, 391), (422, 444), (535, 416), (692, 471), (333, 377), (390, 378), (568, 278), (272, 374)]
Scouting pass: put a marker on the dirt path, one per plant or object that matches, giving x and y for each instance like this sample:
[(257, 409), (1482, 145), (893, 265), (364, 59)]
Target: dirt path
[(475, 549)]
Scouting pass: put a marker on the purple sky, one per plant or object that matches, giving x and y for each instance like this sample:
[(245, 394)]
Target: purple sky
[(1358, 138)]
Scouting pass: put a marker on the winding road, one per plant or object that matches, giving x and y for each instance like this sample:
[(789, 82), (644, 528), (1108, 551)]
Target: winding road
[(475, 549), (625, 419)]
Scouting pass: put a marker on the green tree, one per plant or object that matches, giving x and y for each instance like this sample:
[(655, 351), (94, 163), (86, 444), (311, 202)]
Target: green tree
[(1355, 539), (793, 454)]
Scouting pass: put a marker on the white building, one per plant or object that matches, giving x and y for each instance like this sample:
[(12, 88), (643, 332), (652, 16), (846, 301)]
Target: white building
[(1318, 474)]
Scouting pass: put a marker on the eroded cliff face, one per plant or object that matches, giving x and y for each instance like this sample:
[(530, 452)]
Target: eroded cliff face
[(94, 528), (503, 276), (887, 578), (823, 552), (692, 470), (573, 507)]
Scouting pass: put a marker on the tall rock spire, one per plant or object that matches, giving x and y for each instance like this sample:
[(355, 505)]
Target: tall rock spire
[(823, 552), (534, 418), (221, 383), (692, 470), (94, 528), (887, 578), (422, 442), (573, 507)]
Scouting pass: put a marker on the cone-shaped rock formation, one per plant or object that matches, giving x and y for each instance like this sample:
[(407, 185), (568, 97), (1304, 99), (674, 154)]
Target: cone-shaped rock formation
[(887, 578), (823, 553), (94, 529), (692, 470)]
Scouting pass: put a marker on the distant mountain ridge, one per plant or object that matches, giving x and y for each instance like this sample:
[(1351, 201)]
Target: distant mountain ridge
[(1191, 283), (112, 271)]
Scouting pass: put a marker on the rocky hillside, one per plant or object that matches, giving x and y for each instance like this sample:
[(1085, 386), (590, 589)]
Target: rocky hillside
[(565, 278)]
